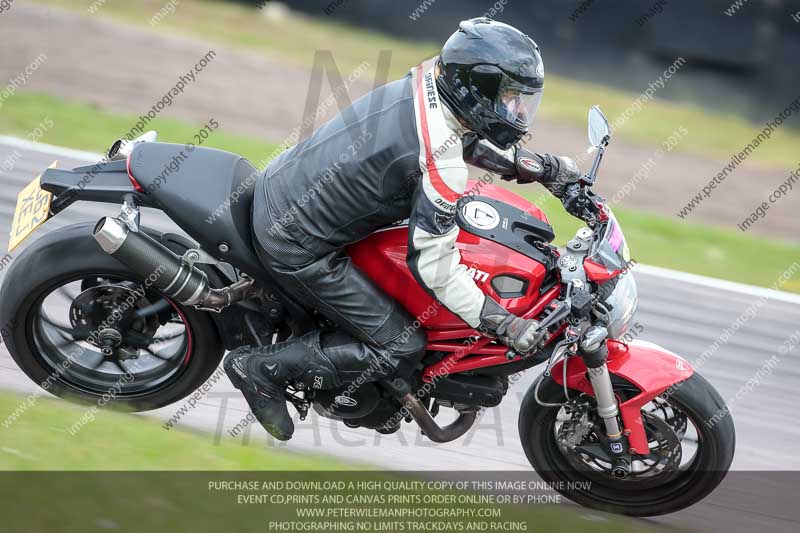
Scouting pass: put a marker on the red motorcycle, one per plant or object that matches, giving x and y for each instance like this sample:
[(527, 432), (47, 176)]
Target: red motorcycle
[(138, 318)]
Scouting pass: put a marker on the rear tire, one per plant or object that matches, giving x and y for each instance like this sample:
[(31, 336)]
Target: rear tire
[(71, 253), (694, 396)]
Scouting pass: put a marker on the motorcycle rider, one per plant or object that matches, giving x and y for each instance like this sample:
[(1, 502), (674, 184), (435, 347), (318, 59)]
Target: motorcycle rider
[(400, 152)]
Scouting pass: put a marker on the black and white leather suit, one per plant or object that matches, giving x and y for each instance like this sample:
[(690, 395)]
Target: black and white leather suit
[(395, 154)]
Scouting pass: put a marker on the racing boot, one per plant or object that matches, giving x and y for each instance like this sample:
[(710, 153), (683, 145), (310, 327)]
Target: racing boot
[(262, 374)]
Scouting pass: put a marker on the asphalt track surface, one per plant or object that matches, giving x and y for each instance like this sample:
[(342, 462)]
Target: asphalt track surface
[(683, 314)]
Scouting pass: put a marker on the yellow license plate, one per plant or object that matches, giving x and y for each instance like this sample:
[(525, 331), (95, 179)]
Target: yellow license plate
[(33, 208)]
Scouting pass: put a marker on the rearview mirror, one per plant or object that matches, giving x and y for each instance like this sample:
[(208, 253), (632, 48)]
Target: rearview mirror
[(599, 131)]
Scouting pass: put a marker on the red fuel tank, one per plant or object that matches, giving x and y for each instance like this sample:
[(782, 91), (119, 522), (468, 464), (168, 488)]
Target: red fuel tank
[(505, 273)]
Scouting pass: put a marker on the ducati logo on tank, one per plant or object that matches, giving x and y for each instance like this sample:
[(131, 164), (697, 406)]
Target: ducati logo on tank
[(481, 215), (478, 275)]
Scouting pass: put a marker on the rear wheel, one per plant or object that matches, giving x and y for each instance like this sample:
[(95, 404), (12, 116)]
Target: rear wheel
[(85, 328), (691, 439)]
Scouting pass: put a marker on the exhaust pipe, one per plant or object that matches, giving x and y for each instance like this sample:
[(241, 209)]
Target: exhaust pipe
[(428, 425), (174, 276)]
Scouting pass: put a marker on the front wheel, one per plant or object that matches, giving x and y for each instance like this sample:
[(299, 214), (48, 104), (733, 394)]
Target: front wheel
[(83, 327), (691, 439)]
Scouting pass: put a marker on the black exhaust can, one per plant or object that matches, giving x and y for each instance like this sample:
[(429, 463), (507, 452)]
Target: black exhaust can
[(154, 262)]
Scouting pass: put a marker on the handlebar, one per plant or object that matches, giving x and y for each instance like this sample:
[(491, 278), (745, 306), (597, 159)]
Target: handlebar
[(581, 202)]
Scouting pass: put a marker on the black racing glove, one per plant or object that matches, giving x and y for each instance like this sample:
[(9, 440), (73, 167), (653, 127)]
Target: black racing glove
[(520, 334), (554, 172), (583, 203), (517, 163)]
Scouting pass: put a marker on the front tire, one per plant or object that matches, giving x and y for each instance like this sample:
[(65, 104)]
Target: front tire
[(703, 408), (64, 256)]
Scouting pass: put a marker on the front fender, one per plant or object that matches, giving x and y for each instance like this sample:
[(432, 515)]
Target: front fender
[(649, 367)]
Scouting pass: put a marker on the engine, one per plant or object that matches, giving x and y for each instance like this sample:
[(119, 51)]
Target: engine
[(364, 406), (477, 390)]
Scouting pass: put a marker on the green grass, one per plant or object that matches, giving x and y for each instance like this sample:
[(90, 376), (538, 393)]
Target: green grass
[(86, 127), (126, 473), (295, 39), (39, 439), (654, 240)]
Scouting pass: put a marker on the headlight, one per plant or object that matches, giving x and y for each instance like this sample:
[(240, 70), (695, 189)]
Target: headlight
[(622, 303)]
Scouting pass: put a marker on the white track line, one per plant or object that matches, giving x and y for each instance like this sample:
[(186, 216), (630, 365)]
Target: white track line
[(15, 142), (719, 284), (665, 273)]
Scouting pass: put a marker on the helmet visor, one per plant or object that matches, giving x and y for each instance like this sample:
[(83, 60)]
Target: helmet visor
[(504, 107), (516, 103)]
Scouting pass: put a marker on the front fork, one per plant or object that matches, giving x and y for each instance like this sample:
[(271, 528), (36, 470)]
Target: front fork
[(594, 352)]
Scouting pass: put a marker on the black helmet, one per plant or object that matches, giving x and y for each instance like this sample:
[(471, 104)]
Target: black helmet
[(491, 77)]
